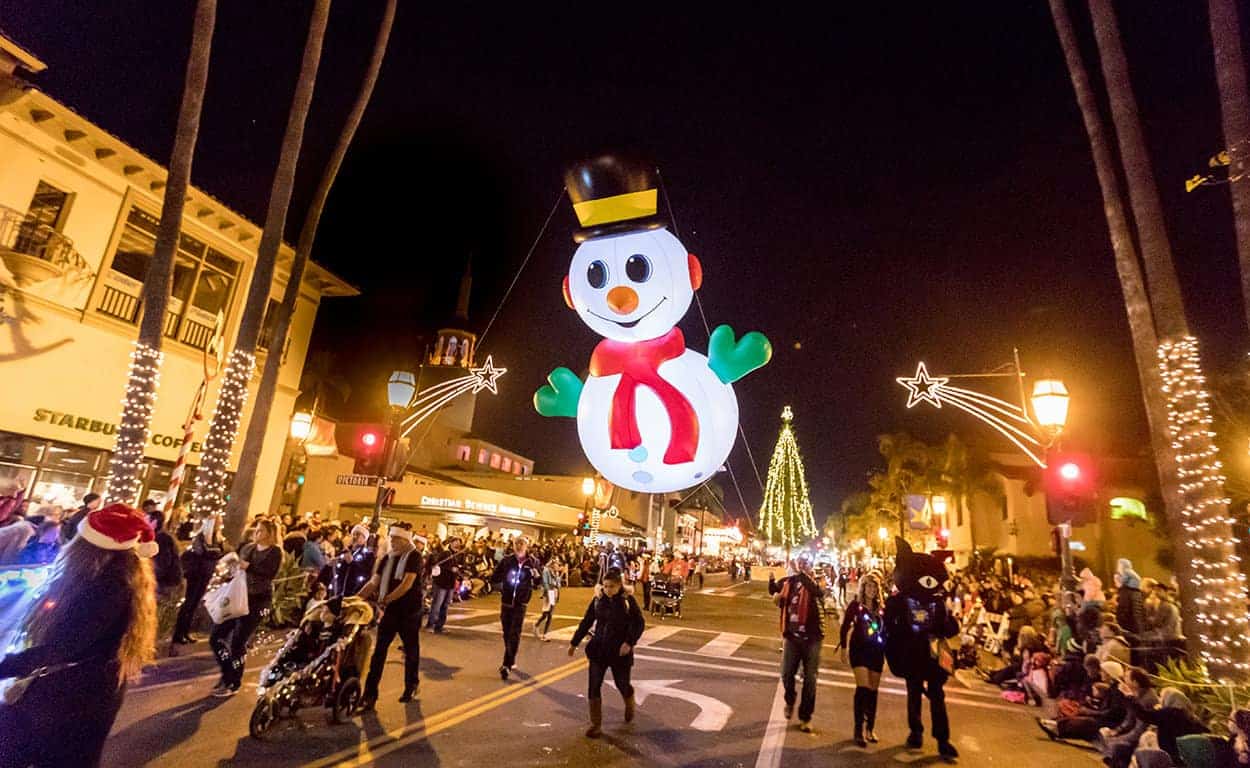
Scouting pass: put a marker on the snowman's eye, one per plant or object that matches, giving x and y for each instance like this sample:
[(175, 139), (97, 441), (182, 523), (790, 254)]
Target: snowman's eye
[(638, 268), (597, 274)]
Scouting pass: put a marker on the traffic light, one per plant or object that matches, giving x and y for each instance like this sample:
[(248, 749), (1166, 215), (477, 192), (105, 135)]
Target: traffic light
[(368, 447), (1071, 483)]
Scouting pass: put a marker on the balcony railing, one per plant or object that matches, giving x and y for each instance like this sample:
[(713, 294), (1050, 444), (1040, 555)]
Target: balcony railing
[(21, 234)]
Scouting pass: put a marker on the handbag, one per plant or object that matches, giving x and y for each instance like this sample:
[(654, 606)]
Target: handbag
[(228, 601)]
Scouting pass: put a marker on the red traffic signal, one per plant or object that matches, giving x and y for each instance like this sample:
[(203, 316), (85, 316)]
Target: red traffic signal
[(1071, 483), (367, 446)]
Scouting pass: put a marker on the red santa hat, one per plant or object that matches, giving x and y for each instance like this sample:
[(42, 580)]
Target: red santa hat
[(118, 527)]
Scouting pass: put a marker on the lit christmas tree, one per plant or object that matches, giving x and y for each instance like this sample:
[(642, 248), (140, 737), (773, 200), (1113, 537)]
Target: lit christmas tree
[(786, 515)]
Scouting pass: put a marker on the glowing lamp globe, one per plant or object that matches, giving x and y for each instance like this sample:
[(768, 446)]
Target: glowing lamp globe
[(883, 533), (301, 426), (939, 505), (400, 389), (588, 486), (1050, 403)]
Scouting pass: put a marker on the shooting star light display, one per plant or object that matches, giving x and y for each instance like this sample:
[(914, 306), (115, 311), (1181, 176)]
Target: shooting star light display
[(429, 400), (1010, 421)]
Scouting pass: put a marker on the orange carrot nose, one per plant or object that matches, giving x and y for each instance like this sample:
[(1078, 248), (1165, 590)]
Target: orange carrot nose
[(622, 300)]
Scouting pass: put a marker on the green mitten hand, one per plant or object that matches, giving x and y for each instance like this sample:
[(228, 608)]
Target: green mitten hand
[(731, 360), (559, 397)]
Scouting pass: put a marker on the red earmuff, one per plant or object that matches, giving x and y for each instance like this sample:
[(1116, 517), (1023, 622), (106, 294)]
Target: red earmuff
[(696, 272)]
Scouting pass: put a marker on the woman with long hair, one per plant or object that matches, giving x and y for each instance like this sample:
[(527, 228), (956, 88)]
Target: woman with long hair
[(90, 630), (260, 559), (551, 596), (863, 623)]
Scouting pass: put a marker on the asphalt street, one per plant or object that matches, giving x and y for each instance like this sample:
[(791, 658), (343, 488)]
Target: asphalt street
[(708, 696)]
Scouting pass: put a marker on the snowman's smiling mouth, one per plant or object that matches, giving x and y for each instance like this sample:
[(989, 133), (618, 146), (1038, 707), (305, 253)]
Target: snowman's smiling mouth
[(635, 321)]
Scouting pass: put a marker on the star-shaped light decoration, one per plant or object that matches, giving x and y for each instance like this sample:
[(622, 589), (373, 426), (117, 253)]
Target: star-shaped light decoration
[(787, 414), (922, 387), (485, 377)]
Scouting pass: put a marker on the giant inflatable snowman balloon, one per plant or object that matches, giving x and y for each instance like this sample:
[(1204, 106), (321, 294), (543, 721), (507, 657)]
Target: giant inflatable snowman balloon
[(652, 415)]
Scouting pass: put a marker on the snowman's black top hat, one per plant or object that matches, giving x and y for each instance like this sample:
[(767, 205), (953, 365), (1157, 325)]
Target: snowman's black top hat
[(613, 194)]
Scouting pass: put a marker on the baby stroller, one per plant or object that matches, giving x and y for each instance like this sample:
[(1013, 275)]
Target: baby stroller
[(319, 665), (666, 596)]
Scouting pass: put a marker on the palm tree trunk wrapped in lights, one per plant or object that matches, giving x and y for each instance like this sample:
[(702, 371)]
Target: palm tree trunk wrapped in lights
[(143, 379), (786, 518), (210, 490), (1213, 592), (249, 457)]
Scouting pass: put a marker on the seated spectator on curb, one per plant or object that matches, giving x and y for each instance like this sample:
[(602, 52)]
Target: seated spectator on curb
[(1173, 719), (1118, 744), (1105, 708)]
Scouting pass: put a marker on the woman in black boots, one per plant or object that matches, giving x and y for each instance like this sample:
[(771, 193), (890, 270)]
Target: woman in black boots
[(863, 622), (618, 624)]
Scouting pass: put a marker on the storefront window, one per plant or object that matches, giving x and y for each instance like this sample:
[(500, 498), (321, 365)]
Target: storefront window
[(506, 465), (482, 455), (63, 488), (75, 458), (20, 449), (203, 281), (494, 461)]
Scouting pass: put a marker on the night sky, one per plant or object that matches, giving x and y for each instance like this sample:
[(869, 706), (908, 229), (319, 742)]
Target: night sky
[(868, 186)]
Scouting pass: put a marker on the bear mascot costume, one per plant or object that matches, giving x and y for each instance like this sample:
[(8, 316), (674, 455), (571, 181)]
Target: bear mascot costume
[(917, 626)]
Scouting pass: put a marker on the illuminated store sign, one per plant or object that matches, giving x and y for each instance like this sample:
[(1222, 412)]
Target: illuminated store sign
[(98, 426), (471, 505)]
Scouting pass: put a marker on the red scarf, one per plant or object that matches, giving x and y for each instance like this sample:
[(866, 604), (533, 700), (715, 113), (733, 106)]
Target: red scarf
[(638, 362)]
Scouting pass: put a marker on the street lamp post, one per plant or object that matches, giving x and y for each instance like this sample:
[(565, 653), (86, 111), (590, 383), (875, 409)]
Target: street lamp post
[(400, 389), (1050, 412)]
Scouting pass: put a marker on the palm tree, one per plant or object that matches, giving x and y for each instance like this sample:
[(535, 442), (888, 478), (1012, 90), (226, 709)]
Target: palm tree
[(123, 482), (1230, 75), (1132, 285), (211, 478), (908, 462), (249, 457), (1214, 589)]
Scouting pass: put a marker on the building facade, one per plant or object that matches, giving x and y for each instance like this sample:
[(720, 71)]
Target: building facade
[(78, 215), (1007, 516)]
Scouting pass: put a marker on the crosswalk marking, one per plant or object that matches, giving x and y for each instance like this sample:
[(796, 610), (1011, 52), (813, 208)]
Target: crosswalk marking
[(564, 633), (655, 634), (724, 644), (463, 614)]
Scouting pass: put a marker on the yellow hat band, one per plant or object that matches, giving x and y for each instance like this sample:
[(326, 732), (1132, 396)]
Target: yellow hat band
[(605, 210)]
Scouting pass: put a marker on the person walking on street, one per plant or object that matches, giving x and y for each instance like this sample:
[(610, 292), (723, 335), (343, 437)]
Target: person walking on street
[(167, 567), (444, 573), (398, 582), (199, 560), (700, 568), (260, 559), (618, 624), (92, 630), (551, 596), (354, 565), (862, 623), (518, 574), (644, 576), (803, 628)]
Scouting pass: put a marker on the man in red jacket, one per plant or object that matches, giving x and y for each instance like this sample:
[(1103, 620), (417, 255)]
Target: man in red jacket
[(803, 627)]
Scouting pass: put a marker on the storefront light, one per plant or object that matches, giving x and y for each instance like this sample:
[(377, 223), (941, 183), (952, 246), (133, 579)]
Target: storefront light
[(301, 426)]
